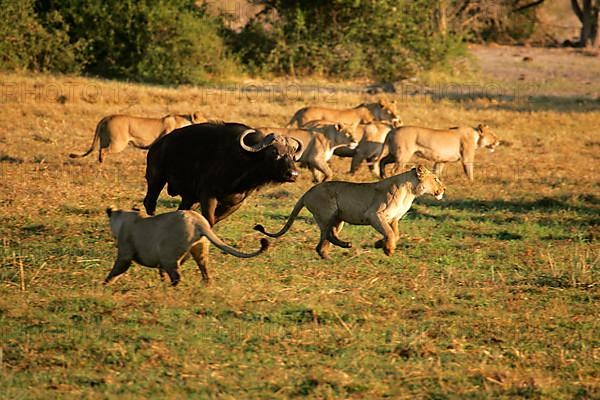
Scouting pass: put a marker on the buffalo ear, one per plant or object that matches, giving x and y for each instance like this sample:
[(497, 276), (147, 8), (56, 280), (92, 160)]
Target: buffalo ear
[(109, 211)]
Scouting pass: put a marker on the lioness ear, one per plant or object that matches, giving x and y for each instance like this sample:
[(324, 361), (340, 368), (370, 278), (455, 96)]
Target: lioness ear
[(338, 126), (480, 127), (421, 171)]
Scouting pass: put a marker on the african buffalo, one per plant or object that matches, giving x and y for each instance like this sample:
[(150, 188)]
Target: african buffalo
[(217, 165)]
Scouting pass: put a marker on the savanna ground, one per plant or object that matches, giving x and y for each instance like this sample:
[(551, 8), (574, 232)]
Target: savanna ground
[(493, 292)]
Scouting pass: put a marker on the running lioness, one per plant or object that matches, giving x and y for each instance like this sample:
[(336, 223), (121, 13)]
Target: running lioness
[(363, 113), (164, 241), (438, 145), (379, 204), (115, 132)]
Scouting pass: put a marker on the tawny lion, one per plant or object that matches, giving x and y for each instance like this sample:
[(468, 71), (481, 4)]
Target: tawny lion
[(379, 204)]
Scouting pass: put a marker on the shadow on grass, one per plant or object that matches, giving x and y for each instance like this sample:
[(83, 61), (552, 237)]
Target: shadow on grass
[(523, 103), (585, 204), (542, 212)]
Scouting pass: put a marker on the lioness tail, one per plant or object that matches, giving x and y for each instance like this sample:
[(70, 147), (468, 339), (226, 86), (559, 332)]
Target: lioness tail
[(214, 239), (94, 141), (295, 118), (297, 208)]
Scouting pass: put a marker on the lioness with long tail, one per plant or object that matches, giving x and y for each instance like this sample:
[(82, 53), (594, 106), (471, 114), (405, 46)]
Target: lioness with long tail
[(379, 204), (115, 132), (165, 241)]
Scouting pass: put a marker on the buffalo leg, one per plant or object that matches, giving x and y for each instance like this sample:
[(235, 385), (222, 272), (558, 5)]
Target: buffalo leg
[(186, 203), (209, 206), (223, 210), (155, 186)]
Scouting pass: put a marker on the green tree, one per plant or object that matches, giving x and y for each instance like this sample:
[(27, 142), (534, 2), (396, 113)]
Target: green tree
[(33, 43), (387, 39), (155, 41)]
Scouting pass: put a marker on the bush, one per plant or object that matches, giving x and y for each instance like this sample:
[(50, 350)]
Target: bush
[(388, 39), (154, 41), (150, 40), (28, 42)]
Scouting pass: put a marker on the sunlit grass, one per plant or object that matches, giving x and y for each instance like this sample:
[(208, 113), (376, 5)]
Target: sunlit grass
[(492, 293)]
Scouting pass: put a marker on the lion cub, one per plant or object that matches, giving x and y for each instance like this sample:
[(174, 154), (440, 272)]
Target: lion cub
[(379, 204), (164, 241)]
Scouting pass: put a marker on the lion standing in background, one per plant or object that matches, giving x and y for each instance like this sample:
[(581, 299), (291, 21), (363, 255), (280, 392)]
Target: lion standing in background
[(115, 132)]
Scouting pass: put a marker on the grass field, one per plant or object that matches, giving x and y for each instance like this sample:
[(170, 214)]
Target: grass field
[(493, 292)]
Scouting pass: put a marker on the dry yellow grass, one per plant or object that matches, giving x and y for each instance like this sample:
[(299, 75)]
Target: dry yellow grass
[(493, 293)]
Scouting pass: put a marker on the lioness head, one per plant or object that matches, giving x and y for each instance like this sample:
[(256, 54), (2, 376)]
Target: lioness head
[(198, 117), (345, 135), (487, 138), (387, 111), (429, 183)]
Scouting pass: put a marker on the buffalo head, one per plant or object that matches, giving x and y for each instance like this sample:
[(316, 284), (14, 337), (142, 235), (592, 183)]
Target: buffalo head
[(278, 154)]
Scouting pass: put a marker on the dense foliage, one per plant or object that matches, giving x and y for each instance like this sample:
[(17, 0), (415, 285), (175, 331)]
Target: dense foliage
[(150, 40), (349, 38), (182, 41)]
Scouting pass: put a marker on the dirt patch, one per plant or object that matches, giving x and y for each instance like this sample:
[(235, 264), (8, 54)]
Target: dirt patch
[(555, 72)]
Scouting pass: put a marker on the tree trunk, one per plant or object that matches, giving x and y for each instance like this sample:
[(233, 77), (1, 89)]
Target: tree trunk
[(588, 14), (442, 17)]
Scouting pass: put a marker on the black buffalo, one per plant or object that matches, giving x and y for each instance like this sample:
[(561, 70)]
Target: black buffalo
[(217, 165)]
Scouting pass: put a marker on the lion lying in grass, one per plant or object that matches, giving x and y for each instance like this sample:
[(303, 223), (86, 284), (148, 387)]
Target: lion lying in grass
[(379, 204), (164, 241)]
